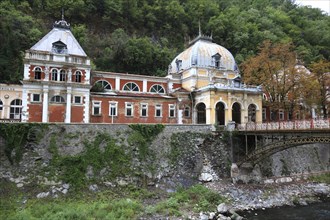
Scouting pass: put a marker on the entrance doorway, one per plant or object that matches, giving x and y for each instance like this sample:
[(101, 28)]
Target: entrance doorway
[(201, 113), (236, 113)]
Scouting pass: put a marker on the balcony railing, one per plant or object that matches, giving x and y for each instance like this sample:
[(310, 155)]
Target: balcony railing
[(286, 125), (54, 57)]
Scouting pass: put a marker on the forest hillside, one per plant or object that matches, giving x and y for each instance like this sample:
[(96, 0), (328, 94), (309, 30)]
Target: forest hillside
[(143, 36)]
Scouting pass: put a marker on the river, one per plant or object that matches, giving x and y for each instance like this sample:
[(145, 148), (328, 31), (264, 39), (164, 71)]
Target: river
[(315, 211)]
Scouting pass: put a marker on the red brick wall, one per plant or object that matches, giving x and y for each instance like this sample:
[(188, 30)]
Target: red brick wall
[(136, 118), (77, 114), (56, 112), (35, 112)]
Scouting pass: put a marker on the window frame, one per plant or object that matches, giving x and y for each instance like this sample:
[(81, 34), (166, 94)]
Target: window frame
[(98, 105), (143, 106), (1, 105), (113, 105), (15, 109), (171, 109), (158, 108), (54, 74), (54, 100), (281, 115), (129, 107), (185, 111), (131, 88), (158, 89), (33, 97), (264, 114), (104, 84), (74, 99), (38, 70), (78, 75), (62, 76)]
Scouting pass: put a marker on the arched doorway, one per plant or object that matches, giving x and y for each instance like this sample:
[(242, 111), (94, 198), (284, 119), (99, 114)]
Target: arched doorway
[(201, 113), (220, 113), (15, 109), (236, 113), (252, 112)]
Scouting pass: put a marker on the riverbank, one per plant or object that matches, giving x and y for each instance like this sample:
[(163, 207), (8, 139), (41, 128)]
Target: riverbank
[(259, 196)]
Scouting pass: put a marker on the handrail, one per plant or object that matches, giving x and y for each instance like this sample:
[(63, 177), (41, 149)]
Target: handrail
[(286, 125)]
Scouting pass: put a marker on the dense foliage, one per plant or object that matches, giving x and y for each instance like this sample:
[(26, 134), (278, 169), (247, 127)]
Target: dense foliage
[(143, 36)]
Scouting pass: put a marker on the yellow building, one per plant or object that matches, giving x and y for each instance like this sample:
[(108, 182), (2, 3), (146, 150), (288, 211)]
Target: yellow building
[(10, 102), (209, 72)]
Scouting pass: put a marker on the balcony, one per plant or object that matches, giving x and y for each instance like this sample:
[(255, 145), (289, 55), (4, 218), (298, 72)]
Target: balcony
[(34, 55)]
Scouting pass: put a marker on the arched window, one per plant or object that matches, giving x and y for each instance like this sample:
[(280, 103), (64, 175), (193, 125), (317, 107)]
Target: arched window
[(132, 87), (102, 85), (78, 76), (187, 111), (37, 73), (157, 89), (57, 99), (62, 75), (54, 74), (1, 105), (15, 109)]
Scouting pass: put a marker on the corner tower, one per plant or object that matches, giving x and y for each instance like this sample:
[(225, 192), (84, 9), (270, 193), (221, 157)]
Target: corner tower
[(56, 83), (209, 72)]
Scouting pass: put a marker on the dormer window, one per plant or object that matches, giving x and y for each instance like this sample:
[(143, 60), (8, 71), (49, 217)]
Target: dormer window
[(59, 47), (178, 65), (216, 60)]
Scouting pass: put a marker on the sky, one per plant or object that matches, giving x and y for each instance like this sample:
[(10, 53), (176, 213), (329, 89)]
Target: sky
[(324, 5)]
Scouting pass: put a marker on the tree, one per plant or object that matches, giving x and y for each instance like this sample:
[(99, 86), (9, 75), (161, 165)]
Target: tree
[(274, 67), (321, 75)]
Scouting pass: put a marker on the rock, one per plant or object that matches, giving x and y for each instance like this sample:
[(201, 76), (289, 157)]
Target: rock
[(203, 216), (93, 188), (269, 181), (284, 180), (42, 195), (222, 217), (205, 177), (211, 215), (64, 191), (20, 185), (66, 186), (122, 182), (109, 184), (222, 208)]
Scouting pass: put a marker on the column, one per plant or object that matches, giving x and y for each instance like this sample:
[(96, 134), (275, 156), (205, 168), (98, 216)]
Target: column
[(144, 89), (70, 75), (117, 83), (45, 104), (86, 107), (68, 105), (229, 110)]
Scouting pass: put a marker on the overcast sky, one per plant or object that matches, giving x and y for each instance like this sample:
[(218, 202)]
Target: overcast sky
[(324, 5)]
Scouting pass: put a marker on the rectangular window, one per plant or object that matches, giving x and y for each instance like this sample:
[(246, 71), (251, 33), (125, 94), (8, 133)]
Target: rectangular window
[(144, 110), (36, 98), (264, 116), (96, 107), (281, 115), (113, 108), (158, 110), (171, 110), (77, 100), (128, 109)]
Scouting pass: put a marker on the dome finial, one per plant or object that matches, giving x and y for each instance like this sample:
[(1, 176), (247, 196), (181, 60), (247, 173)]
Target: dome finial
[(62, 23)]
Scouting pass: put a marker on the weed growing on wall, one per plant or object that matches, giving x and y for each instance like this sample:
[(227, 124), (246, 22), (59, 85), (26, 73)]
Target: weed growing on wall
[(142, 137), (16, 135), (102, 152)]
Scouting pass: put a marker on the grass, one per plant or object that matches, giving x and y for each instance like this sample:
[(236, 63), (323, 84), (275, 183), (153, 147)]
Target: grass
[(123, 203), (322, 178)]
